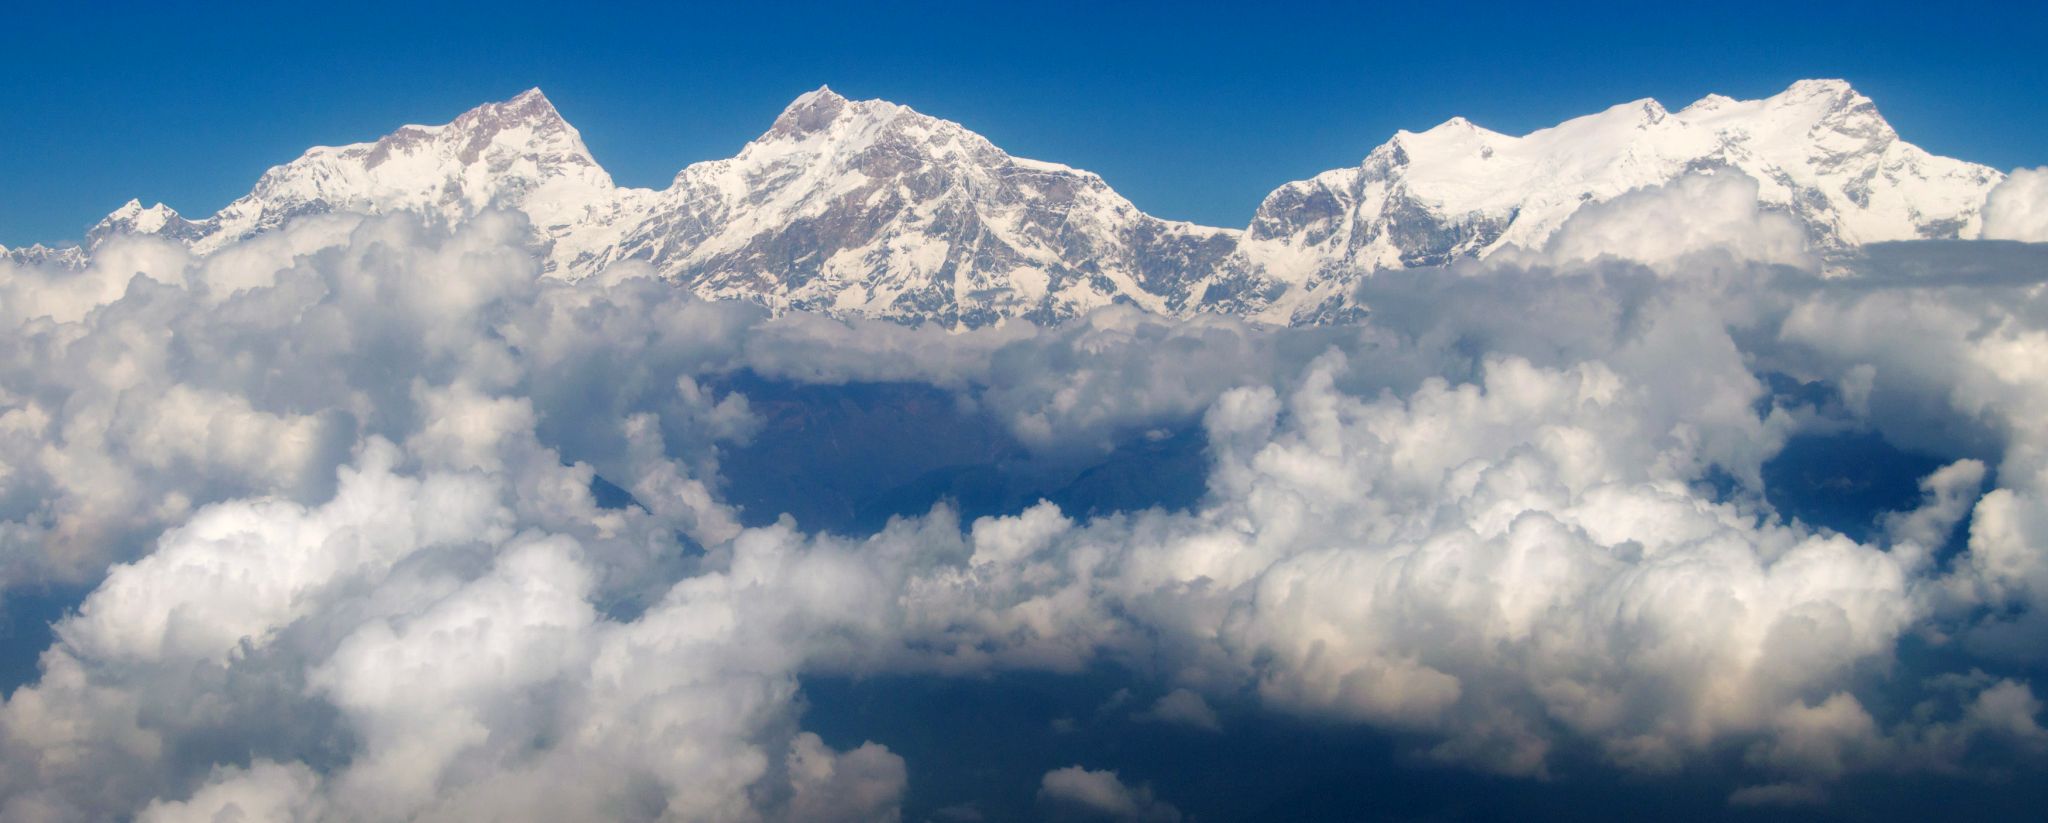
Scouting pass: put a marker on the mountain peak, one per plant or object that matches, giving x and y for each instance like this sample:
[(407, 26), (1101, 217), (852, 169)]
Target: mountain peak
[(1636, 114), (809, 112), (821, 93), (1708, 104), (527, 124), (1830, 98), (1823, 87), (1832, 107), (1826, 98), (528, 108), (133, 216)]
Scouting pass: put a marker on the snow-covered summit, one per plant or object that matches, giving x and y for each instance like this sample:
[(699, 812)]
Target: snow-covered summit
[(1819, 149), (37, 254), (519, 153), (872, 208), (133, 218), (810, 112)]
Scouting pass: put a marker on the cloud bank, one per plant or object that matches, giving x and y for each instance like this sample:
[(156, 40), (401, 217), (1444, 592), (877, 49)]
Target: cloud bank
[(332, 492)]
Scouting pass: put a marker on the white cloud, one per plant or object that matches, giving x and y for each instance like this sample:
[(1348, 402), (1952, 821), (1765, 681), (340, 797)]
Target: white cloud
[(1673, 226), (1954, 369), (426, 689), (265, 791), (1500, 519), (1077, 793), (348, 458), (237, 572), (29, 293), (865, 784), (2018, 208), (1181, 707), (1949, 493)]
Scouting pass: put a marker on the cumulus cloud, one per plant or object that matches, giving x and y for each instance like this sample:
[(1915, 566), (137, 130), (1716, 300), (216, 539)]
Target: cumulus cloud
[(464, 660), (1960, 369), (331, 488), (264, 791), (2017, 209), (1673, 225), (1181, 707), (62, 296), (1077, 793), (350, 481), (1531, 527)]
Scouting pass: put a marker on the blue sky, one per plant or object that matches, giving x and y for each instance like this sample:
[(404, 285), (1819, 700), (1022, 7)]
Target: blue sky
[(1194, 111)]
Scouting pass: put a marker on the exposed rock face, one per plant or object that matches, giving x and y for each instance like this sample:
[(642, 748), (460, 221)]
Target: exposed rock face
[(871, 208)]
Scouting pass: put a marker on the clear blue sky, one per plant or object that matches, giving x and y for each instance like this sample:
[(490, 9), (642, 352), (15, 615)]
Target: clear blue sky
[(1194, 111)]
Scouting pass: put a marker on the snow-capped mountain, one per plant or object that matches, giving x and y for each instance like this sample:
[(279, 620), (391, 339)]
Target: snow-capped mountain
[(519, 154), (871, 208), (60, 257), (1819, 151)]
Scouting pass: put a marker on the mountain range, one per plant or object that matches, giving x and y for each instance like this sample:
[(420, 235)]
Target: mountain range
[(871, 208)]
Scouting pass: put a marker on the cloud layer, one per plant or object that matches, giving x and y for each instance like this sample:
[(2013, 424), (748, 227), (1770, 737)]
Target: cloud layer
[(332, 490)]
